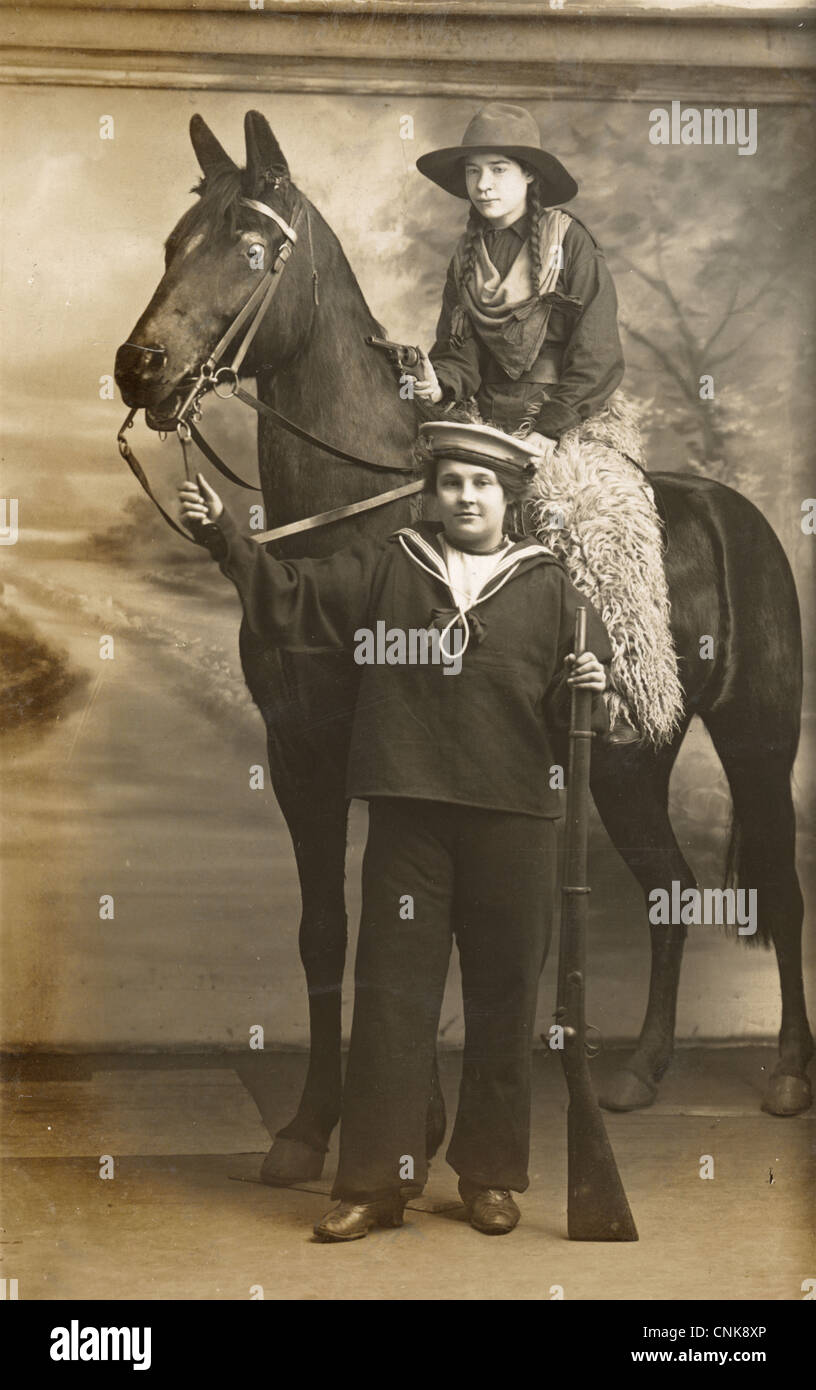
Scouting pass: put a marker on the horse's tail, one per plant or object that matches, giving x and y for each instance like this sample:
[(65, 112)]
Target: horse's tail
[(736, 875), (733, 853)]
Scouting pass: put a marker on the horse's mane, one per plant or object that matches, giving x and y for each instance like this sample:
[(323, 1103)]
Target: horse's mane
[(219, 196)]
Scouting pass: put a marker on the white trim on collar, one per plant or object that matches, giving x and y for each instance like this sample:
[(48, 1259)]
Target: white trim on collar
[(505, 569)]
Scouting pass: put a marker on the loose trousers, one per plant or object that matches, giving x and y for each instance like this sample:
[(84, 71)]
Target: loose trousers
[(432, 871)]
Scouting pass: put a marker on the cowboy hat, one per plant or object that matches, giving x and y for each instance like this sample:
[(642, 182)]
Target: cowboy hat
[(502, 129)]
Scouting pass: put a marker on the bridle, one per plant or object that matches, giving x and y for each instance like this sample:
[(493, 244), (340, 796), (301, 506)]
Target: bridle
[(213, 374)]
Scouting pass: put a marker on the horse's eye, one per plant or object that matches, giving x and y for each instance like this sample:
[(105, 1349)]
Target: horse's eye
[(256, 252)]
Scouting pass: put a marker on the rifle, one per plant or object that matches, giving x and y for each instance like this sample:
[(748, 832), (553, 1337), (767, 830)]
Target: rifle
[(400, 355), (597, 1208)]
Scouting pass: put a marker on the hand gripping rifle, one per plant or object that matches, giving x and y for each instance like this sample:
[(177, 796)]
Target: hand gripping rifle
[(597, 1208)]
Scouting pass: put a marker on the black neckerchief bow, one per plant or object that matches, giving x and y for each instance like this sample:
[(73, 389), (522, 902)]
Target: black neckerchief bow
[(440, 617)]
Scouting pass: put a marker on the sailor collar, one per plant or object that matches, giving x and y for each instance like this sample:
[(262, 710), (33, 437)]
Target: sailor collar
[(424, 548)]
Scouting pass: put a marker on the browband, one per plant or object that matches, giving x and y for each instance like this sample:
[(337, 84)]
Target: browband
[(270, 212)]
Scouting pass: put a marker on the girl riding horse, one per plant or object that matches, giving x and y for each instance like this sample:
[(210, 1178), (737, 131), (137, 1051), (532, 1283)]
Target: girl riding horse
[(528, 332)]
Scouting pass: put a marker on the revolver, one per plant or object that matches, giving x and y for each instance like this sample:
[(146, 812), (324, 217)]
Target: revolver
[(401, 355)]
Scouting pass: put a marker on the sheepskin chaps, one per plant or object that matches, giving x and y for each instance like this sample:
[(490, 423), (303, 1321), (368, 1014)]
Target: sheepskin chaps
[(597, 512)]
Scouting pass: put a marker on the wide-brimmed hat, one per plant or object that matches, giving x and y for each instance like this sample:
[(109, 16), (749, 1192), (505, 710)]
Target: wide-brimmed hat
[(501, 129)]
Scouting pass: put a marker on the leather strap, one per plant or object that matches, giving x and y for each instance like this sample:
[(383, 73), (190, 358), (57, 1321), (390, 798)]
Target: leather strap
[(261, 295), (282, 257), (217, 462), (141, 478), (255, 309), (270, 212), (309, 523), (338, 513), (258, 294), (546, 370), (263, 409)]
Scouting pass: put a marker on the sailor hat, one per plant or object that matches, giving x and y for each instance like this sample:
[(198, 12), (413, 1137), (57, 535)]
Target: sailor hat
[(479, 444)]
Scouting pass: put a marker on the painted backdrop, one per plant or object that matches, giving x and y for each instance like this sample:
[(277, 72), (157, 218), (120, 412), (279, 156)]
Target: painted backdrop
[(130, 777)]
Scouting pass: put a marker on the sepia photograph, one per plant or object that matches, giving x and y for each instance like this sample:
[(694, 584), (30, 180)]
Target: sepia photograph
[(408, 512)]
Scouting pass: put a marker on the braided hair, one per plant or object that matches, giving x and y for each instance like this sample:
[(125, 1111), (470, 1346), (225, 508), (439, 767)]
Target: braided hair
[(472, 231), (536, 209)]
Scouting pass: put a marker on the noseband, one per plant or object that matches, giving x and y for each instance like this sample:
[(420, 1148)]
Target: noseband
[(213, 374)]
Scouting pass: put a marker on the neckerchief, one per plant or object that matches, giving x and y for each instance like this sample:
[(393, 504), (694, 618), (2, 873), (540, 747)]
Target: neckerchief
[(508, 315)]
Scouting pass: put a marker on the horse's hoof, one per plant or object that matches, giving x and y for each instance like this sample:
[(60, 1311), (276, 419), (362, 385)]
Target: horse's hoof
[(291, 1161), (627, 1091), (787, 1095)]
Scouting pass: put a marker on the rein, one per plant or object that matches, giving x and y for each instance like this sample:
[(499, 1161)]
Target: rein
[(211, 376)]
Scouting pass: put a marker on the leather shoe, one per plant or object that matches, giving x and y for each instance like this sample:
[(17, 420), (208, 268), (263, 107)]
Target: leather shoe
[(622, 734), (353, 1220), (490, 1210)]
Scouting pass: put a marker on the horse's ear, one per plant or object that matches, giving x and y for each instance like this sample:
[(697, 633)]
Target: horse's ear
[(210, 154), (266, 162)]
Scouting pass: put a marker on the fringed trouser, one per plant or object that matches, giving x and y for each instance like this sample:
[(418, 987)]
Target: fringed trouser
[(594, 507)]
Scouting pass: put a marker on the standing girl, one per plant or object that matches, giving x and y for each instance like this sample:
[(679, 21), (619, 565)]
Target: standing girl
[(455, 760)]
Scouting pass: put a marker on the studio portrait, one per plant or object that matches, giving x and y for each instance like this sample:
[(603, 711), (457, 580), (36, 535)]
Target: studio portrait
[(408, 532)]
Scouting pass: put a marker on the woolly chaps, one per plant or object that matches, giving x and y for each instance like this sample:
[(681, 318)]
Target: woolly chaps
[(595, 509)]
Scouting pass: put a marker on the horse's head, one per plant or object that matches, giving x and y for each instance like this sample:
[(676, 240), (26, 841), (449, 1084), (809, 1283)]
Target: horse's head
[(214, 258)]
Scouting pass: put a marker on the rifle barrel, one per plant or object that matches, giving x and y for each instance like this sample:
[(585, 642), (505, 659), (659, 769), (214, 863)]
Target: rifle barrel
[(597, 1208)]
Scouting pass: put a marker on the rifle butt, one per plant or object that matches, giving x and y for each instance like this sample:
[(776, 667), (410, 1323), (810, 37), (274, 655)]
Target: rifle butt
[(597, 1208)]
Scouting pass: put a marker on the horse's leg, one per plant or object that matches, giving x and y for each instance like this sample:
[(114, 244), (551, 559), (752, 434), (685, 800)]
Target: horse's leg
[(307, 756), (759, 775), (631, 791), (305, 703), (317, 824), (318, 829)]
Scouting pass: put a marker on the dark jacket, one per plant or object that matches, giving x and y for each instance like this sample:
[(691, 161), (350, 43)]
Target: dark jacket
[(481, 737), (582, 356)]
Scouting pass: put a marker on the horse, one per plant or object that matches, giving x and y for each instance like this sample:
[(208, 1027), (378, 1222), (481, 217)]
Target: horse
[(728, 577)]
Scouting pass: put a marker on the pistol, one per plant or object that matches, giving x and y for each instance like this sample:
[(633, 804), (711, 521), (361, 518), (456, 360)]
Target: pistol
[(400, 354)]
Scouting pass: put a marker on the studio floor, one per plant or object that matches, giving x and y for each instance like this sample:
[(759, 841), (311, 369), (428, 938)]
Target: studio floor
[(185, 1217)]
